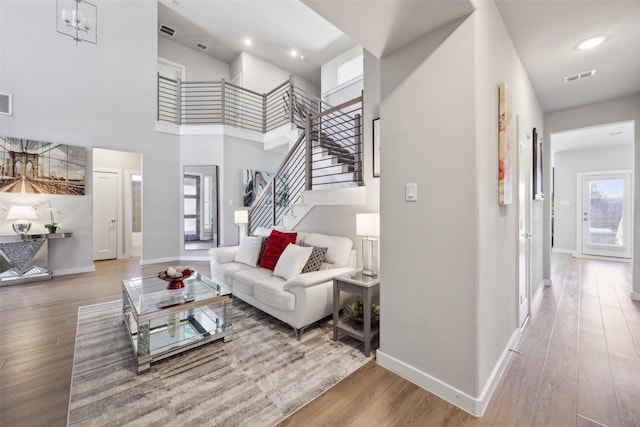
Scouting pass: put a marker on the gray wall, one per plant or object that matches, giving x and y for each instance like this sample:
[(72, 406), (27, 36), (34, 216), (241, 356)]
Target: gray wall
[(449, 261), (92, 95), (567, 165), (198, 66)]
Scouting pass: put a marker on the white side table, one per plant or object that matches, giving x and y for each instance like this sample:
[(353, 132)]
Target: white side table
[(365, 287)]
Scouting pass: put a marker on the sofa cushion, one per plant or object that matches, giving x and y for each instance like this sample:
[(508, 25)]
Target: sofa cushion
[(244, 280), (338, 248), (270, 292), (292, 260), (276, 244), (226, 272), (249, 250), (315, 259)]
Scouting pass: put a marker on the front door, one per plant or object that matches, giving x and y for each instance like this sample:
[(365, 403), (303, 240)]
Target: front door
[(105, 202), (606, 214)]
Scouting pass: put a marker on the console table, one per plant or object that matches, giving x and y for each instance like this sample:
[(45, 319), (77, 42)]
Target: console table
[(26, 260), (366, 287)]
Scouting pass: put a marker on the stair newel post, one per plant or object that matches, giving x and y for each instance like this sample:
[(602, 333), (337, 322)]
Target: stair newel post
[(308, 155), (178, 101), (357, 135), (291, 99), (222, 101)]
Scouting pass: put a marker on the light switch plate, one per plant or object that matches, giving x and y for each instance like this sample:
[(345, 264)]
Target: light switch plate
[(411, 192)]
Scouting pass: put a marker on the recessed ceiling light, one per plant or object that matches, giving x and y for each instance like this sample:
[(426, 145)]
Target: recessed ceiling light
[(301, 56), (248, 42), (591, 43), (293, 53)]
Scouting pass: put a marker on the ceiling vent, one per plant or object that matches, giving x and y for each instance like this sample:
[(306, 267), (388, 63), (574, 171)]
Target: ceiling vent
[(201, 46), (579, 76), (164, 29)]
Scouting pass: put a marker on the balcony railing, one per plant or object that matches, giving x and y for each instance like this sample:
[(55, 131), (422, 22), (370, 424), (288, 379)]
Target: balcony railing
[(222, 103), (327, 154)]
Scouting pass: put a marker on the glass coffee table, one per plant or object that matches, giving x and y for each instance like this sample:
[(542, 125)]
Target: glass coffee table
[(162, 322)]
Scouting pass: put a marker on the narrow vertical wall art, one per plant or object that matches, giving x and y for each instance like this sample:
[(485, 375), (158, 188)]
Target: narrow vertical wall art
[(505, 191)]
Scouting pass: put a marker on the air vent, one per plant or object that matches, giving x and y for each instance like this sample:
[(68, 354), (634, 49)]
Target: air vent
[(579, 76), (167, 30), (201, 46)]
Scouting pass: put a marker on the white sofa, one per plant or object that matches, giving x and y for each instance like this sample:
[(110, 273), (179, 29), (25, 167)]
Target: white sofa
[(300, 300)]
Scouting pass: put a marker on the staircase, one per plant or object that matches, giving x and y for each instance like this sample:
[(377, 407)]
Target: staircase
[(323, 167)]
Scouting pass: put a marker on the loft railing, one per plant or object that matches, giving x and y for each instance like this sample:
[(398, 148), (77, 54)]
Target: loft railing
[(331, 157), (219, 102), (327, 154)]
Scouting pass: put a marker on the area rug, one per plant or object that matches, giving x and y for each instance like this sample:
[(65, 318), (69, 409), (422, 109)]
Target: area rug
[(258, 379)]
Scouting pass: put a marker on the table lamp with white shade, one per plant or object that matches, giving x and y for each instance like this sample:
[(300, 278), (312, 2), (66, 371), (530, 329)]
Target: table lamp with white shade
[(368, 225), (22, 215), (241, 218)]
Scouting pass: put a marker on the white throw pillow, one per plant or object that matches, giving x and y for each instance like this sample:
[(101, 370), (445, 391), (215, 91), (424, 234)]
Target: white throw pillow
[(249, 250), (292, 261)]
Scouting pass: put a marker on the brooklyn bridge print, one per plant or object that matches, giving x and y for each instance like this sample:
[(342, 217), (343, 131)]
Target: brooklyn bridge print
[(37, 167)]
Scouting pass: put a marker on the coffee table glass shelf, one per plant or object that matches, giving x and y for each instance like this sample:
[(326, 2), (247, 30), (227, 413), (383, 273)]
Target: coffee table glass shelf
[(162, 322)]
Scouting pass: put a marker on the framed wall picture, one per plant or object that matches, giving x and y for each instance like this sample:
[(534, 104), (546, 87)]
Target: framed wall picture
[(505, 192), (376, 147), (538, 193)]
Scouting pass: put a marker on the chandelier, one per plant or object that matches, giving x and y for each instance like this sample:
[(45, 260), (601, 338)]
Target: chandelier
[(77, 19)]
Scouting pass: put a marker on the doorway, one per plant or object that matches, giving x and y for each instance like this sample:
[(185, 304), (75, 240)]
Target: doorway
[(605, 214), (117, 204)]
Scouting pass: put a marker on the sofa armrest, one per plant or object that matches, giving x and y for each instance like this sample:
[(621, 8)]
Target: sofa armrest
[(223, 255), (314, 277)]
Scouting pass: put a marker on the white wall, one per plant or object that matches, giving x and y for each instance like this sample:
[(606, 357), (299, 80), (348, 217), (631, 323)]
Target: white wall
[(567, 165), (199, 66), (261, 76), (332, 92), (92, 95), (616, 110)]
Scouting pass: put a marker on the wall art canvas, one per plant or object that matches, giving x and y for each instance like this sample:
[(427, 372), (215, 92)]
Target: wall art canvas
[(37, 167), (254, 182), (505, 191)]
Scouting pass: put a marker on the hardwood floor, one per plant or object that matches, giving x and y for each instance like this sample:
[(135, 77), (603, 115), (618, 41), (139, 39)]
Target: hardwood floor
[(577, 362)]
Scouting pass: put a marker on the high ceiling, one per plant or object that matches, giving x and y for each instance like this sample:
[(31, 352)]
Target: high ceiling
[(545, 34), (274, 26)]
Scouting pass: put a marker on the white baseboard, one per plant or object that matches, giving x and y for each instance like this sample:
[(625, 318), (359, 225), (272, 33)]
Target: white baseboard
[(157, 260), (635, 295), (547, 282), (474, 406), (538, 293), (66, 271)]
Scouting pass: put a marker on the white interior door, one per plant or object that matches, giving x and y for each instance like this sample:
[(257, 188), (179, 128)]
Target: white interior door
[(606, 214), (524, 221), (105, 205)]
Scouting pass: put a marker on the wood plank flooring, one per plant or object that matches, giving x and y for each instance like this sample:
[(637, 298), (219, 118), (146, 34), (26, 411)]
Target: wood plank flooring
[(578, 361), (578, 364)]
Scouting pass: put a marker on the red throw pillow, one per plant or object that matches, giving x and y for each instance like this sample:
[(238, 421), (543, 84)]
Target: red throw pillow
[(276, 243)]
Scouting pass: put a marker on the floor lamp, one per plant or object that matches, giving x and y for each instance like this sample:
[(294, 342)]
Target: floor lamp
[(241, 218), (368, 225)]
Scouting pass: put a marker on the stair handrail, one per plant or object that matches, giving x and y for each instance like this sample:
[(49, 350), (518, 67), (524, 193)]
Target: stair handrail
[(302, 152)]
